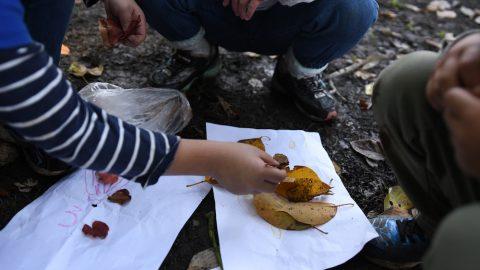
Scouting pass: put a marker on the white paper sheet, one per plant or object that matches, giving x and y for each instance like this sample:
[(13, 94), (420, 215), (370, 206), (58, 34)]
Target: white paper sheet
[(47, 234), (248, 242)]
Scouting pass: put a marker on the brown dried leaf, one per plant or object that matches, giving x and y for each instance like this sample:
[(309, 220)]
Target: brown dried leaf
[(97, 230), (364, 104), (96, 71), (369, 148), (107, 178), (64, 50), (292, 216), (112, 32), (388, 14), (282, 160), (227, 108), (121, 197), (302, 185)]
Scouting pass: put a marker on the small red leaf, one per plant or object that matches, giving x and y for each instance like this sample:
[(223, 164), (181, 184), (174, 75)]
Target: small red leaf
[(97, 230), (121, 197), (106, 178)]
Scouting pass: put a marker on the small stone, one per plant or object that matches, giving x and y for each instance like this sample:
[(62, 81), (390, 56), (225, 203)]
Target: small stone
[(470, 13), (446, 14), (255, 83)]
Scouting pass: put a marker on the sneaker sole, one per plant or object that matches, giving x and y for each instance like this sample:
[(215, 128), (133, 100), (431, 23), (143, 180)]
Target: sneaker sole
[(209, 74), (279, 88)]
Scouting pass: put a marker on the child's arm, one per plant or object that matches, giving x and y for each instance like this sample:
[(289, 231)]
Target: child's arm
[(240, 168)]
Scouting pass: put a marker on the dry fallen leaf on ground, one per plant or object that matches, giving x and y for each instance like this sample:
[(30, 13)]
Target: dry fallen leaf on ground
[(64, 50), (77, 69), (369, 148), (26, 186), (96, 71), (293, 216), (121, 197), (302, 185), (282, 160), (97, 230)]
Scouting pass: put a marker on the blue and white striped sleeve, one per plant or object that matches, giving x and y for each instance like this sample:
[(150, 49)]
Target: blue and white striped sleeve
[(39, 104)]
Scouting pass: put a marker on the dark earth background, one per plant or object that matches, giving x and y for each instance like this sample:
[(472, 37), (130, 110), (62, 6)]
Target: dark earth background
[(244, 83)]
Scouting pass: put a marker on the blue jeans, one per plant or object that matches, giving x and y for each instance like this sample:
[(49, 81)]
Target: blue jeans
[(47, 22), (318, 32)]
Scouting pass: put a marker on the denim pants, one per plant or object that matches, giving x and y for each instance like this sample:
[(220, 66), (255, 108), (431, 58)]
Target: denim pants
[(318, 32), (47, 22)]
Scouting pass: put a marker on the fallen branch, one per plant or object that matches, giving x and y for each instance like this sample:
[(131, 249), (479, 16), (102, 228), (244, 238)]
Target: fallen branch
[(354, 67), (335, 91)]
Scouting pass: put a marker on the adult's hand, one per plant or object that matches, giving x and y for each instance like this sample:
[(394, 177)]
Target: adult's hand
[(460, 67), (243, 8), (131, 19), (461, 113)]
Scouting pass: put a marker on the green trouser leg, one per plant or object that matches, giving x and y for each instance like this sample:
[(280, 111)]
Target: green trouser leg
[(417, 145)]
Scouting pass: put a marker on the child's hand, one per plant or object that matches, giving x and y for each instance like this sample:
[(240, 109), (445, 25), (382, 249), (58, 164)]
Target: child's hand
[(244, 169), (243, 8), (239, 168)]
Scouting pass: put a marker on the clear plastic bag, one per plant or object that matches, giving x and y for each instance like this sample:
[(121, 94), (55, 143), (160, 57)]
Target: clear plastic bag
[(156, 109)]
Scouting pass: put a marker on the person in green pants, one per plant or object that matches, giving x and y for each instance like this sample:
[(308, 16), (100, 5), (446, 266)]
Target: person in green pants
[(427, 106)]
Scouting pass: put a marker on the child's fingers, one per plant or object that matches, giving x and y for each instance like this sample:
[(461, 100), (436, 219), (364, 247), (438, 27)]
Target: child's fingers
[(458, 102), (268, 159), (226, 3), (274, 175), (252, 7)]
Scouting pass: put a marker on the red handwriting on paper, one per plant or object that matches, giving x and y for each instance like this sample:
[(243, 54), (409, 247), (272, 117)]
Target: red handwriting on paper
[(71, 214), (96, 191)]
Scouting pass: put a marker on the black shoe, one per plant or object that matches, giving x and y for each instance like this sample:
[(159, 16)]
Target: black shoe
[(183, 69), (310, 94), (401, 243), (42, 163)]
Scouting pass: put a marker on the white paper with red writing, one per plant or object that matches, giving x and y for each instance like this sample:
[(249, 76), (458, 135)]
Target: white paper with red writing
[(47, 234), (249, 242)]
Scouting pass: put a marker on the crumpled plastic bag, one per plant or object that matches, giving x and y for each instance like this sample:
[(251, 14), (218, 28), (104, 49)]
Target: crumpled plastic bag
[(156, 109)]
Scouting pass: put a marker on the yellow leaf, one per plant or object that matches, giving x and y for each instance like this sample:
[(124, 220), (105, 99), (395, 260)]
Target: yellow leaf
[(77, 69), (210, 180), (257, 142), (96, 71), (293, 216), (302, 185), (396, 197)]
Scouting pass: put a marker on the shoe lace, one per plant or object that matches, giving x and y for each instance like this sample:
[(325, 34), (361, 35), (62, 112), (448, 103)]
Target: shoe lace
[(317, 86)]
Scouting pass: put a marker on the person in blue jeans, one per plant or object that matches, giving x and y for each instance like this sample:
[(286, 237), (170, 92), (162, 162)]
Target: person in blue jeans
[(306, 34)]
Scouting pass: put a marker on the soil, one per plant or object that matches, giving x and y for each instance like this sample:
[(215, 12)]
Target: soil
[(244, 83)]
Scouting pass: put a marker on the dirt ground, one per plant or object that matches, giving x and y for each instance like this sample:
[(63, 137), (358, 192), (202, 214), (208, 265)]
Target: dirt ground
[(244, 83)]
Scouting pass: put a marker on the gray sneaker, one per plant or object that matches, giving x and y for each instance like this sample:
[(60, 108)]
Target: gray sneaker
[(183, 69), (310, 94)]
